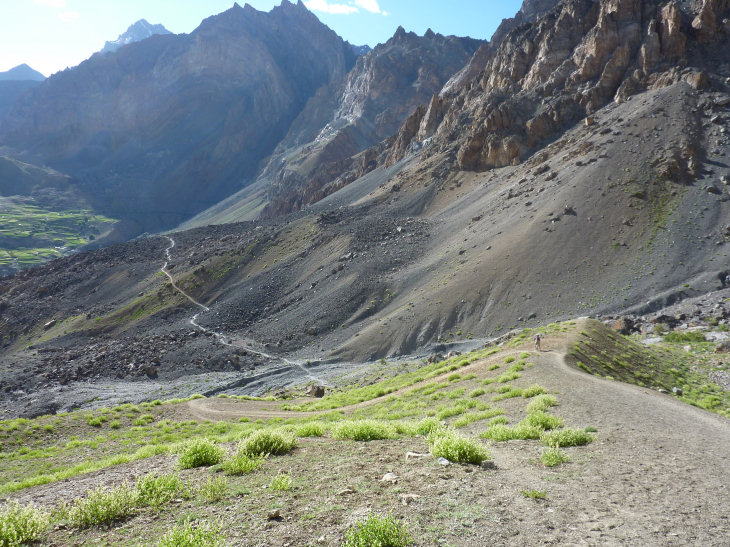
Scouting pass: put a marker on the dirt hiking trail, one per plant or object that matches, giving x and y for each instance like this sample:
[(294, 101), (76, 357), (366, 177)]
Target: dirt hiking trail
[(656, 474)]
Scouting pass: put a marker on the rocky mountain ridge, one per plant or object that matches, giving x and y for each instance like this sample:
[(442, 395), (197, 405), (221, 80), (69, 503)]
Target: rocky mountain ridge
[(378, 94), (577, 59), (291, 190), (136, 32)]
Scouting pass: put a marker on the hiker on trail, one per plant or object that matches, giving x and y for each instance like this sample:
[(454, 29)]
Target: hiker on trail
[(537, 339)]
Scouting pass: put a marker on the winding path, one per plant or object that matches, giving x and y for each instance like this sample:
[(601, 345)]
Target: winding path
[(228, 340), (656, 474)]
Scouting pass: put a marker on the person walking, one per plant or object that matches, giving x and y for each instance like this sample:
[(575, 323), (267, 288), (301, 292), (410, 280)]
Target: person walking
[(537, 339)]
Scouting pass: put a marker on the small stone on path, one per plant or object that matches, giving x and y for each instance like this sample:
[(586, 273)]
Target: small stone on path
[(389, 477)]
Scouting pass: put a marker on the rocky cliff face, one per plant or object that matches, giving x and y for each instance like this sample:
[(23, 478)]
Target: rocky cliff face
[(368, 106), (168, 126), (546, 76)]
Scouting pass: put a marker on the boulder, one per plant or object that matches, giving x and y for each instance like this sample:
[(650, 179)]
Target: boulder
[(723, 347), (316, 391), (624, 325)]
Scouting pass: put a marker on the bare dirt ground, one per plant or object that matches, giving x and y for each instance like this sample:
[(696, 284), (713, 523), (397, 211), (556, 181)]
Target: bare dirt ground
[(656, 475)]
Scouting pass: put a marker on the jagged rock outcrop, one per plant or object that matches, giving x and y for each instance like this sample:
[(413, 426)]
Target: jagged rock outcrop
[(165, 127), (368, 106), (529, 12), (545, 76)]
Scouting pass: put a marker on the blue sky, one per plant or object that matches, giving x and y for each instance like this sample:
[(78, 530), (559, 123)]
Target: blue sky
[(51, 35)]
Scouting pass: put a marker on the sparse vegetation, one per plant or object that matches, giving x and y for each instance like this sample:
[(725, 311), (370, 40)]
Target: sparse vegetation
[(678, 337), (267, 442), (363, 430), (281, 482), (154, 490), (457, 448), (199, 453), (456, 398), (242, 464), (604, 353), (541, 403), (534, 494), (191, 535), (102, 506), (20, 525), (377, 530), (553, 456), (214, 489), (566, 437)]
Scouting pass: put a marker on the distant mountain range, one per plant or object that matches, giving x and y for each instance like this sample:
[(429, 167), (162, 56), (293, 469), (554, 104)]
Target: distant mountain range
[(135, 33), (168, 126), (15, 82), (21, 73)]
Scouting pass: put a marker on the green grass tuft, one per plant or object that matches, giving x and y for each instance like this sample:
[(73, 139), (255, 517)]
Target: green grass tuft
[(102, 506), (456, 448), (213, 489), (20, 525), (363, 430), (543, 420), (188, 535), (377, 531), (199, 453), (267, 441), (243, 464), (541, 403), (311, 429), (427, 426), (155, 490), (501, 432), (472, 417), (281, 483), (533, 391), (553, 456), (566, 437)]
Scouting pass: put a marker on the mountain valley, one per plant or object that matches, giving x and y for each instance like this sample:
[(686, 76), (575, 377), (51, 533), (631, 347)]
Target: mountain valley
[(378, 226)]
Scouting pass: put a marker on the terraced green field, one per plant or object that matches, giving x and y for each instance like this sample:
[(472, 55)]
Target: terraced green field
[(31, 235)]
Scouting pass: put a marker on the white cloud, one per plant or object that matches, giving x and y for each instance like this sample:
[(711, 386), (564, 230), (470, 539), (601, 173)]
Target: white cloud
[(369, 5), (68, 16), (324, 6), (51, 3)]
